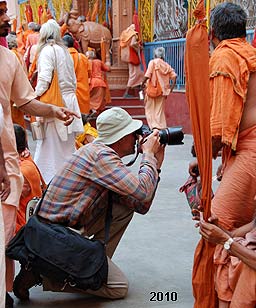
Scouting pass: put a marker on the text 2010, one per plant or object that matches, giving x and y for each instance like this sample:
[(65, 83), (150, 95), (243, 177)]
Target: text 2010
[(163, 296)]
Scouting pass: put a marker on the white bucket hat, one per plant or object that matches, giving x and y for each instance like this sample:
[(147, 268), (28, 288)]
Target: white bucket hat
[(115, 123)]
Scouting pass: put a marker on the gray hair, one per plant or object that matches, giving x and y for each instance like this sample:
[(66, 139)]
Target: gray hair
[(159, 52), (32, 25), (12, 41), (50, 32)]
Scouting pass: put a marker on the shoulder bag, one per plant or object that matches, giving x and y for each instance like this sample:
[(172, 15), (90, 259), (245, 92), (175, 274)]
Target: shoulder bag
[(53, 94), (61, 254), (154, 91)]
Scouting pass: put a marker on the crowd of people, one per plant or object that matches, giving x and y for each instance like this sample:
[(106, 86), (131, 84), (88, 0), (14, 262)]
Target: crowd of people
[(80, 180)]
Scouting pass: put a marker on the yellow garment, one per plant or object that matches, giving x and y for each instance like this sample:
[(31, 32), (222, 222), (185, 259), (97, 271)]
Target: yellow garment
[(82, 68), (89, 134)]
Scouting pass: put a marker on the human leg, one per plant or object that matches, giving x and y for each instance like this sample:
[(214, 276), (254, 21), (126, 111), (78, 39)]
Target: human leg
[(2, 260), (121, 217), (234, 205), (115, 288), (9, 217), (154, 111), (117, 284)]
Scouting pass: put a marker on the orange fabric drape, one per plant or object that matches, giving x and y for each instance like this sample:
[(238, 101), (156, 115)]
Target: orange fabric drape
[(95, 10), (254, 39), (198, 97), (31, 173)]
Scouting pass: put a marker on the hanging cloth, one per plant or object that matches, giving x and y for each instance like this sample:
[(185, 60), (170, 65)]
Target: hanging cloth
[(198, 97)]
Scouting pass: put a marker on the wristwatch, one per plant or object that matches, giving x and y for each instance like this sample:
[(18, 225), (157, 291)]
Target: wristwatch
[(228, 243)]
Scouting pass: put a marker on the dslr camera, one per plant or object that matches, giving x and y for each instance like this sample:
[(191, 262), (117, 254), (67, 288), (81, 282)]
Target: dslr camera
[(170, 135)]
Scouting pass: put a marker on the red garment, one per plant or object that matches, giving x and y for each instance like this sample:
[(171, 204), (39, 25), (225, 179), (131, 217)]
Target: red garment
[(97, 75), (3, 42)]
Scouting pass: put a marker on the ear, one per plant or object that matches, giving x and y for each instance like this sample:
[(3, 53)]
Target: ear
[(211, 33), (81, 28)]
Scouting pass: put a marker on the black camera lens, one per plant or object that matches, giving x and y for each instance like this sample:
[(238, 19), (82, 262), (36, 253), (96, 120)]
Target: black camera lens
[(169, 135)]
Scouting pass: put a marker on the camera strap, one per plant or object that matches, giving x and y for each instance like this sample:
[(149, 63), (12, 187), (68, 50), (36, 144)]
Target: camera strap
[(138, 149)]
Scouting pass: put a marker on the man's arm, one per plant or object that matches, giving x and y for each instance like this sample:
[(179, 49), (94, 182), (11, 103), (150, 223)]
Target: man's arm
[(36, 108), (246, 255), (216, 235)]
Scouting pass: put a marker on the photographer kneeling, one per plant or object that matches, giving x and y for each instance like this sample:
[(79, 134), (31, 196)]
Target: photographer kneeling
[(78, 194)]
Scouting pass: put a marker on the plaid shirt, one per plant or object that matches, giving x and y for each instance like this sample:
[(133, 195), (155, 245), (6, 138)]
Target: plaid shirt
[(78, 193)]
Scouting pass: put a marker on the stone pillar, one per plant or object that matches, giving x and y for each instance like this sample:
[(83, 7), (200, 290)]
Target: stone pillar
[(122, 13)]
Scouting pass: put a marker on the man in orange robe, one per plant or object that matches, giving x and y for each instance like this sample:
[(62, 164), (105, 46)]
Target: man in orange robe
[(82, 69), (130, 53), (233, 128), (98, 82)]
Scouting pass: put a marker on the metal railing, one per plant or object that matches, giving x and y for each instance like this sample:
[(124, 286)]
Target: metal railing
[(174, 55)]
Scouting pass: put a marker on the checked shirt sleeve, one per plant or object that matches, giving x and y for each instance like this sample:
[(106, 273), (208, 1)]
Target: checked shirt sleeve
[(136, 191)]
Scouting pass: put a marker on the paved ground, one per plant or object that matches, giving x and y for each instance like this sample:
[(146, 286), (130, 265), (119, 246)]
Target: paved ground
[(156, 252)]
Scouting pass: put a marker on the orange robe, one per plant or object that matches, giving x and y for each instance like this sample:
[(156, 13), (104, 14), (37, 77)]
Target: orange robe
[(98, 85), (155, 107), (31, 174), (230, 66), (82, 68), (18, 115), (241, 279), (233, 203)]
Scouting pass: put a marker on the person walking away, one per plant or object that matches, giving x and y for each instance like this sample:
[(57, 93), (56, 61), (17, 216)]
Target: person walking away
[(98, 82), (130, 53), (31, 46), (159, 73), (59, 142)]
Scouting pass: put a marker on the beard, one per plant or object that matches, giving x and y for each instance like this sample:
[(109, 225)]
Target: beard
[(4, 29)]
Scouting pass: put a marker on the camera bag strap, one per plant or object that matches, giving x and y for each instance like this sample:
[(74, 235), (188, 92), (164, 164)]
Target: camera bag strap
[(108, 217)]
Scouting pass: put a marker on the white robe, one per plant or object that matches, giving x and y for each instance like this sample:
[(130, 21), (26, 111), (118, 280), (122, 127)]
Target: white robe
[(59, 142), (2, 237)]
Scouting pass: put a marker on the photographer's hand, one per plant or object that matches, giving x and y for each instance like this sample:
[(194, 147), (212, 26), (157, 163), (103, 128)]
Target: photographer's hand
[(151, 143)]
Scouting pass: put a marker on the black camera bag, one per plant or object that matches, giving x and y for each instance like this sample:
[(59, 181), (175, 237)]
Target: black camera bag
[(61, 254)]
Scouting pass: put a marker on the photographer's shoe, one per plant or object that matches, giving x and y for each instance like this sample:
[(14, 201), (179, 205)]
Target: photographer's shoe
[(23, 282)]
